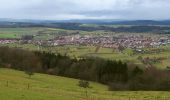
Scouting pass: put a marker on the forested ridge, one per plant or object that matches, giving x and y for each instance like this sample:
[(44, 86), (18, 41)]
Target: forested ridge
[(136, 28)]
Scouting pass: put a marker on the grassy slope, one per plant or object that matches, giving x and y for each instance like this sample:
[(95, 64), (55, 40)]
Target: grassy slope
[(46, 87)]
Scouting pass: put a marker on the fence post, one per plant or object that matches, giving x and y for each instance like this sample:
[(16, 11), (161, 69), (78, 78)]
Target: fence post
[(7, 83), (28, 86)]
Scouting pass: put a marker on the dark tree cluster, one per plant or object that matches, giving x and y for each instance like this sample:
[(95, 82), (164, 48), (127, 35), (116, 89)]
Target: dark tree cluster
[(27, 37), (93, 69)]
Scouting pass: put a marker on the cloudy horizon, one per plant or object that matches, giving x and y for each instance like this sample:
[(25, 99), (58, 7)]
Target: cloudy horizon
[(85, 9)]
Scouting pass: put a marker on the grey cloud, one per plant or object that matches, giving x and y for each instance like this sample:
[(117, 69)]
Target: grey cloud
[(71, 9)]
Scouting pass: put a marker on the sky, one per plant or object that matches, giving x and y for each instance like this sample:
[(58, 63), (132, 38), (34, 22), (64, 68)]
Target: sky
[(85, 9)]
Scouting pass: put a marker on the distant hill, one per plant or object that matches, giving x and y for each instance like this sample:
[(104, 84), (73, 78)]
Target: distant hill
[(91, 21), (137, 26), (119, 22), (142, 22)]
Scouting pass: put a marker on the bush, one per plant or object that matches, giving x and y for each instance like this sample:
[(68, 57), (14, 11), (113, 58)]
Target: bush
[(84, 84)]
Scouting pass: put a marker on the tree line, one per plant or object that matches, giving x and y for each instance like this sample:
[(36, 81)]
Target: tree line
[(116, 74)]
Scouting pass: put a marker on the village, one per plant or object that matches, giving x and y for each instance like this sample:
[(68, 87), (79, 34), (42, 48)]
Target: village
[(130, 41), (111, 41)]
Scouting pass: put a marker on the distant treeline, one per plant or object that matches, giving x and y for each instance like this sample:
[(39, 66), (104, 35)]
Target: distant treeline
[(77, 26), (116, 74)]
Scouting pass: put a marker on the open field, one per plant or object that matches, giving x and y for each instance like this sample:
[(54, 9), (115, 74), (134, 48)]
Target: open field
[(14, 86), (17, 32), (38, 32)]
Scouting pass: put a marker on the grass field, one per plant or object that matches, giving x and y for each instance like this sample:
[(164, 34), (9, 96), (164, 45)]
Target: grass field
[(49, 33), (38, 32), (14, 86), (17, 32)]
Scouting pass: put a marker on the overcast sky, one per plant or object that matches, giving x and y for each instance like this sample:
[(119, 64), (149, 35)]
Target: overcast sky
[(85, 9)]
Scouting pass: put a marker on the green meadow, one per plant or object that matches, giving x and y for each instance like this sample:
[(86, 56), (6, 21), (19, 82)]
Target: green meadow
[(17, 32), (14, 86)]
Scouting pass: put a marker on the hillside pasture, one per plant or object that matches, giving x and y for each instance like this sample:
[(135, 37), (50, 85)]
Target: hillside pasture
[(14, 86)]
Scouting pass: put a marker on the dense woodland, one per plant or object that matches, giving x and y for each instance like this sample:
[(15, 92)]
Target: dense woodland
[(116, 74)]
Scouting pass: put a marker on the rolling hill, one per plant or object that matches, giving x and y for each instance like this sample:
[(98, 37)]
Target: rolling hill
[(14, 86)]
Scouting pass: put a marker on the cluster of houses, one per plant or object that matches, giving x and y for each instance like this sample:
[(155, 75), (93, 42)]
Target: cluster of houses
[(137, 41), (125, 41), (8, 41)]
